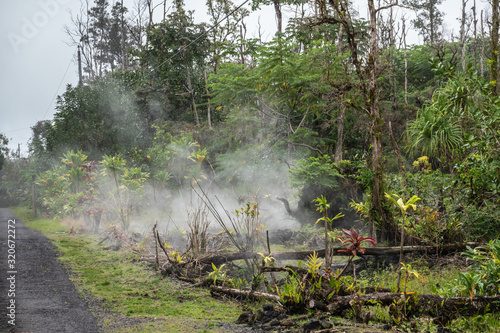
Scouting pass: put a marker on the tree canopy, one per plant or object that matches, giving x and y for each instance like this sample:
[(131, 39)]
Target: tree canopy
[(331, 103)]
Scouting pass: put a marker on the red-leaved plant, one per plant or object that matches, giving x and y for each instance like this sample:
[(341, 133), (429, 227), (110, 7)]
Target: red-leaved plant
[(355, 248), (355, 240)]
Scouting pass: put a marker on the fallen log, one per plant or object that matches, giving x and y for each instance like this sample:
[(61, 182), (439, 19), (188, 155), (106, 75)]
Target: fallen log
[(387, 298), (237, 293), (288, 268), (371, 251), (443, 309)]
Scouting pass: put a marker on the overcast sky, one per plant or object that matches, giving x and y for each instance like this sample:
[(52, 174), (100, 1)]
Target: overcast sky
[(37, 64)]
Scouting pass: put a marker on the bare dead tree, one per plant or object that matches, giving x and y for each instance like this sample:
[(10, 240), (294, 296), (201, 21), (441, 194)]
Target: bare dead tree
[(403, 37), (482, 46), (151, 9), (137, 30), (463, 35), (475, 34), (392, 44), (495, 23), (78, 34)]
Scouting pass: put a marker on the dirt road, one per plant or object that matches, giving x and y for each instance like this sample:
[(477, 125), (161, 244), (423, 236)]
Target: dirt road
[(36, 293)]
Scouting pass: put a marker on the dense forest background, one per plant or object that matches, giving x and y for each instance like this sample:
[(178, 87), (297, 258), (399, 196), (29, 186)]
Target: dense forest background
[(333, 105)]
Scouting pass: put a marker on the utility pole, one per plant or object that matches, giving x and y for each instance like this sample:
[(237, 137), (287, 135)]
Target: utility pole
[(79, 67), (33, 198)]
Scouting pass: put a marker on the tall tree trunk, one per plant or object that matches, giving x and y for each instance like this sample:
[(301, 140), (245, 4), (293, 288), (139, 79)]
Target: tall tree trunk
[(431, 25), (494, 46), (340, 45), (191, 92), (80, 76), (209, 115), (340, 133), (151, 9), (370, 95), (339, 146), (277, 9), (376, 125)]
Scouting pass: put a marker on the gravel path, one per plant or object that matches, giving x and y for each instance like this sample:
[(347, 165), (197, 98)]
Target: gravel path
[(45, 299)]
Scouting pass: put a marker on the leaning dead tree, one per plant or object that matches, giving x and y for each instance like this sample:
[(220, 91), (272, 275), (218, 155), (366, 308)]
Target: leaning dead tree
[(219, 259)]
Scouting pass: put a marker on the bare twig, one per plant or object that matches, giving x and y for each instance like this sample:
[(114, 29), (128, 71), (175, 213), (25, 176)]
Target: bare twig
[(157, 264)]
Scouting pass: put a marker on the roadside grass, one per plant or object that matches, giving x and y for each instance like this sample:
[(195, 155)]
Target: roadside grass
[(45, 225), (133, 296)]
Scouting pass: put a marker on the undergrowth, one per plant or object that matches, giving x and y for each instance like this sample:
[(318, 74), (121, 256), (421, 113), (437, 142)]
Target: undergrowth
[(128, 289), (133, 296)]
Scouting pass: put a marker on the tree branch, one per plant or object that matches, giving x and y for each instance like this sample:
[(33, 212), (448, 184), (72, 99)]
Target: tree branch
[(303, 145)]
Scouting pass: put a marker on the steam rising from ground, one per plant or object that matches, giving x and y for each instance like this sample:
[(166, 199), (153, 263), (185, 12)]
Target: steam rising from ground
[(172, 208), (250, 173)]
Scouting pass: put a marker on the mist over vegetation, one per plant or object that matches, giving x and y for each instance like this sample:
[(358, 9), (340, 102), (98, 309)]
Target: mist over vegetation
[(333, 105), (192, 147)]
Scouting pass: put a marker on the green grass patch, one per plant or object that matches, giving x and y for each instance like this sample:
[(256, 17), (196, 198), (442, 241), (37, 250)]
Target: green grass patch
[(45, 225), (430, 281), (131, 290)]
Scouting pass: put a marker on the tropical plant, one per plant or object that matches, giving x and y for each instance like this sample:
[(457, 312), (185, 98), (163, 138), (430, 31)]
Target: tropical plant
[(198, 223), (114, 166), (246, 225), (322, 206), (76, 176), (134, 179), (313, 264), (54, 189), (483, 277), (410, 271), (434, 133), (292, 291), (398, 202), (268, 260), (74, 161), (177, 157), (315, 171), (355, 248), (218, 273)]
